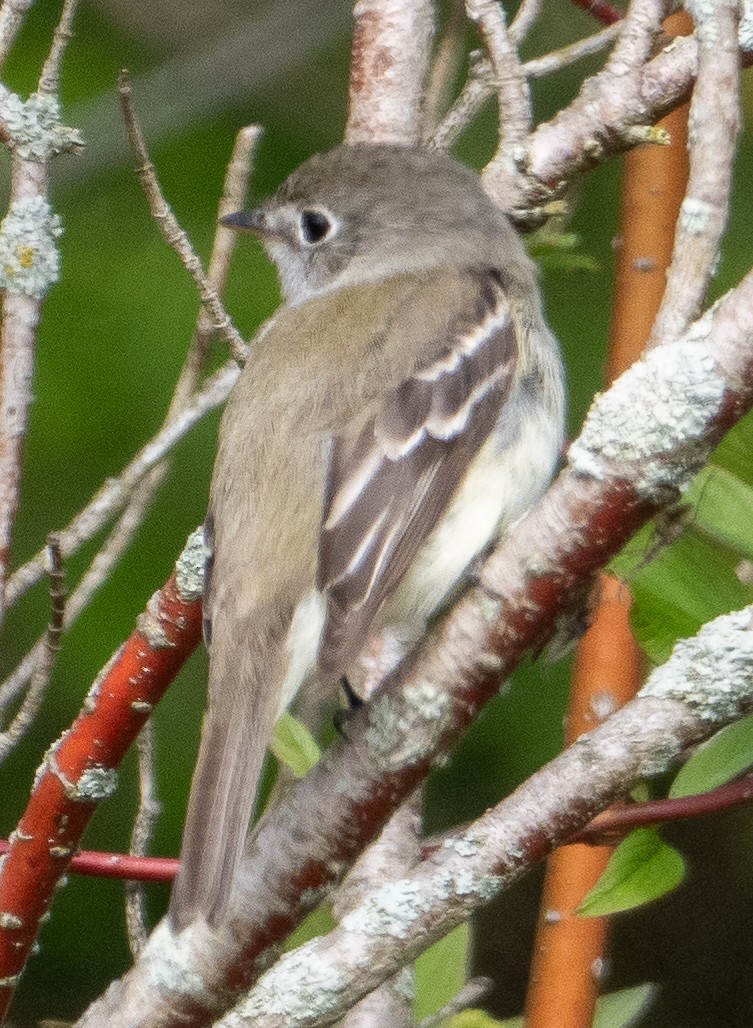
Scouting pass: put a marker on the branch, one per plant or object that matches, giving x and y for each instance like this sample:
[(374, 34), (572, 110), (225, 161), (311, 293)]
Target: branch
[(513, 94), (174, 235), (102, 565), (602, 10), (526, 17), (96, 864), (387, 860), (29, 263), (115, 492), (707, 682), (714, 126), (141, 836), (80, 769), (480, 85), (611, 114), (12, 15), (391, 48), (642, 441), (615, 823), (49, 647)]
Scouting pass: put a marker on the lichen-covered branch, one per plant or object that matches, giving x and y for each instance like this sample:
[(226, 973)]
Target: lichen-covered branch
[(706, 683), (29, 260), (642, 441)]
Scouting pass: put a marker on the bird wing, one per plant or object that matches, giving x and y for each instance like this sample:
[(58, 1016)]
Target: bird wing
[(390, 479)]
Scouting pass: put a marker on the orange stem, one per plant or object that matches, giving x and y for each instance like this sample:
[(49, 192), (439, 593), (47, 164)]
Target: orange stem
[(568, 950)]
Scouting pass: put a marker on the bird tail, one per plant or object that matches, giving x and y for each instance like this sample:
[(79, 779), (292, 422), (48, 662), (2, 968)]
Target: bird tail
[(243, 706)]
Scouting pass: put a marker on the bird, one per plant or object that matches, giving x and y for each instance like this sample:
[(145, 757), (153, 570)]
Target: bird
[(403, 407)]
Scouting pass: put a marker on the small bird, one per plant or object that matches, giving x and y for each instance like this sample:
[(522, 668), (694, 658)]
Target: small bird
[(403, 407)]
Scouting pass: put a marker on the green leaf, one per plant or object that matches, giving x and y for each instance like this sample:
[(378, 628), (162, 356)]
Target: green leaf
[(683, 570), (623, 1008), (441, 971), (480, 1019), (733, 453), (640, 870), (688, 583), (722, 758), (723, 509), (294, 746), (558, 251), (319, 922)]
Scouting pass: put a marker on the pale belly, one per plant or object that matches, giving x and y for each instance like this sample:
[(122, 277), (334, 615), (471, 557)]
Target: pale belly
[(502, 483)]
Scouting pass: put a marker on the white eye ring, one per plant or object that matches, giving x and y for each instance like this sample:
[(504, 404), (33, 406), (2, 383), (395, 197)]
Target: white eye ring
[(315, 225)]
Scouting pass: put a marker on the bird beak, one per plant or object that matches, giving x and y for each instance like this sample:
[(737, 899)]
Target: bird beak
[(248, 221)]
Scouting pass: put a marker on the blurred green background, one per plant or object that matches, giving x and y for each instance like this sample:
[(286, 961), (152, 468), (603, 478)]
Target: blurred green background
[(112, 340)]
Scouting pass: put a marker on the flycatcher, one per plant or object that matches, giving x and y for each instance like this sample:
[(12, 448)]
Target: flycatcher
[(403, 407)]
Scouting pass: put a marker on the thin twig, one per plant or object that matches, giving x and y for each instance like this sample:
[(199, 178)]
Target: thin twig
[(714, 127), (476, 93), (472, 994), (549, 63), (444, 70), (638, 32), (101, 567), (618, 821), (49, 646), (524, 20), (12, 14), (143, 829), (49, 80), (513, 94), (98, 864), (169, 227), (479, 88), (113, 495), (602, 10)]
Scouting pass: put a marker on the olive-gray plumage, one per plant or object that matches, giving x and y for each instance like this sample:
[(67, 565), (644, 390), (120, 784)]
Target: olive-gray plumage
[(403, 406)]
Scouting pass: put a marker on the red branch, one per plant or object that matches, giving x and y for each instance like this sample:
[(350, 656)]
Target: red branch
[(620, 820), (79, 771), (123, 866), (603, 11)]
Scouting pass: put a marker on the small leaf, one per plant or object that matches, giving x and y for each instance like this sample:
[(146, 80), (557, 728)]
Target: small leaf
[(722, 758), (294, 746), (319, 922), (623, 1008), (441, 972), (733, 452), (640, 870), (723, 509), (558, 251), (480, 1019)]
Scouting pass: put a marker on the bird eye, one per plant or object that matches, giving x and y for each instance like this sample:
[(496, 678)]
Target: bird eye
[(315, 226)]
